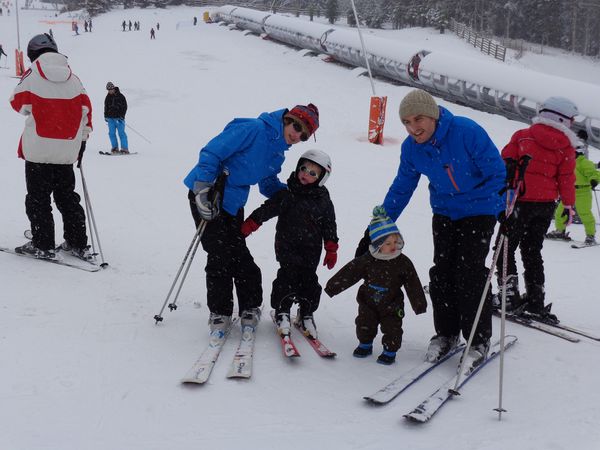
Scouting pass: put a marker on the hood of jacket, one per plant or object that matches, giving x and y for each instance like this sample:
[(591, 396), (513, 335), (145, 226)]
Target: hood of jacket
[(552, 135), (52, 67), (274, 121)]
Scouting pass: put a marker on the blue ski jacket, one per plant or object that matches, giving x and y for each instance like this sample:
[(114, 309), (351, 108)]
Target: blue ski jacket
[(464, 167), (252, 150)]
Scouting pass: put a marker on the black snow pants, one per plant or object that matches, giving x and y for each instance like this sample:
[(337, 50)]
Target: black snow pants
[(59, 180), (295, 284), (458, 276), (532, 222), (228, 262)]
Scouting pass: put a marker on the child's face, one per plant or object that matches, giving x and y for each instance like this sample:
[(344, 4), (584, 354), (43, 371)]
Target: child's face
[(309, 172), (390, 244)]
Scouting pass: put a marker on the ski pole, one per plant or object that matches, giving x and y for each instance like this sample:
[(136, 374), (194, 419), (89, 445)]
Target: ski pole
[(520, 188), (500, 409), (92, 219), (193, 245), (596, 198), (137, 132), (191, 252)]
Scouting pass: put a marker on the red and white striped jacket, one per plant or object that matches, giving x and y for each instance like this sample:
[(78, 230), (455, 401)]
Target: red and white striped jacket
[(58, 110)]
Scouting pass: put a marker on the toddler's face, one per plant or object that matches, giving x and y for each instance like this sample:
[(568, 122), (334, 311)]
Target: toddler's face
[(390, 244), (309, 172)]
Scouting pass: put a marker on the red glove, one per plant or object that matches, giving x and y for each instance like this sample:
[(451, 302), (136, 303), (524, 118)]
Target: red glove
[(248, 227), (330, 254)]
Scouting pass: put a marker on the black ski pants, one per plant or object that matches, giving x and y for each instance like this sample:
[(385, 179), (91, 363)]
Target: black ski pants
[(532, 220), (42, 180), (228, 262), (295, 284), (458, 276)]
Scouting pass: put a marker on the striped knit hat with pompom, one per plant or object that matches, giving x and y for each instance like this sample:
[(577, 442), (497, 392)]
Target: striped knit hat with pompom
[(381, 227)]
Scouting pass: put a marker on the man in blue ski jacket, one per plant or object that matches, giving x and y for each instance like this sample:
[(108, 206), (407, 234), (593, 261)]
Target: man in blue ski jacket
[(248, 152), (466, 174)]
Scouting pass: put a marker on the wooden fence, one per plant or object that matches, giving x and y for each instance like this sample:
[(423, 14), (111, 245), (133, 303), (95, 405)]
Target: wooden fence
[(484, 44)]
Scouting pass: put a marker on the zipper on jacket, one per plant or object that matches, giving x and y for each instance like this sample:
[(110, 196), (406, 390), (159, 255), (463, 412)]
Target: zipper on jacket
[(449, 172)]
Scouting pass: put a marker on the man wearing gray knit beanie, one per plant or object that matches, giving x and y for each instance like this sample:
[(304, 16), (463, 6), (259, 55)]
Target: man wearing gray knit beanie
[(465, 173)]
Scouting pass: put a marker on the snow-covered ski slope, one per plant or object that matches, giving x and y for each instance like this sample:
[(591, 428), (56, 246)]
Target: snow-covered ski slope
[(85, 367)]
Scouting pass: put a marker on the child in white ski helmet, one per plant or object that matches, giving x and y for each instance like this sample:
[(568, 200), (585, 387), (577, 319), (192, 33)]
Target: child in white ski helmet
[(305, 225)]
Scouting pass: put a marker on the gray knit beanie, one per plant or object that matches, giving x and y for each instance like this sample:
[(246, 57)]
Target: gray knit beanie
[(419, 102)]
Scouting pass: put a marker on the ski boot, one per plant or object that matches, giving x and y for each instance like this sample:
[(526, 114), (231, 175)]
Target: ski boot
[(439, 346), (363, 350), (30, 249), (557, 235)]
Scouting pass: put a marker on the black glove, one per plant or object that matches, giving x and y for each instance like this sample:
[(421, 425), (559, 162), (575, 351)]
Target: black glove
[(598, 165), (363, 245), (81, 151), (507, 224), (594, 183)]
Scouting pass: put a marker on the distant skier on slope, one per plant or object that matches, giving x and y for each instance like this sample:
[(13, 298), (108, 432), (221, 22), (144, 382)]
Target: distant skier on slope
[(252, 151), (115, 108), (305, 225)]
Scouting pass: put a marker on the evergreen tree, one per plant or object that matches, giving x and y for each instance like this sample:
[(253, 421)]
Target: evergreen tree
[(331, 11)]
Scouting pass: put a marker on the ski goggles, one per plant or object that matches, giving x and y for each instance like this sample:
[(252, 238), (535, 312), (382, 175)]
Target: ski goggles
[(308, 171), (298, 128)]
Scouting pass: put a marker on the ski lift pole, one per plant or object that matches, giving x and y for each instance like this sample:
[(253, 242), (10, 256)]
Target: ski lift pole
[(378, 104), (362, 43)]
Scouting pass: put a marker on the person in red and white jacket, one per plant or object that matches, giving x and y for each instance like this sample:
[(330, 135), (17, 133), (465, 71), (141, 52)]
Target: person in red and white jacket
[(59, 120), (549, 176)]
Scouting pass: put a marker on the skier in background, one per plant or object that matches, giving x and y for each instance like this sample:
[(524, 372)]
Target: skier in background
[(550, 175), (152, 35), (2, 53), (115, 108), (586, 180), (59, 120), (251, 151), (305, 224)]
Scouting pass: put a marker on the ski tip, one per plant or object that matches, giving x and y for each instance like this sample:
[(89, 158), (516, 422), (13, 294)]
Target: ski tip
[(416, 417), (192, 382)]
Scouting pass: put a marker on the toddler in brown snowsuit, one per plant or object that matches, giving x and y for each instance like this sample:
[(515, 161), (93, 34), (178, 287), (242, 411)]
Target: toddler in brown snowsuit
[(385, 270)]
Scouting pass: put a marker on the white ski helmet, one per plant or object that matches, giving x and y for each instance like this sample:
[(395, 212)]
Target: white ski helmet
[(560, 105), (318, 157)]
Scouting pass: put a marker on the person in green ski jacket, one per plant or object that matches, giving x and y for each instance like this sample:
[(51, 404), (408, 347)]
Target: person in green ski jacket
[(587, 178)]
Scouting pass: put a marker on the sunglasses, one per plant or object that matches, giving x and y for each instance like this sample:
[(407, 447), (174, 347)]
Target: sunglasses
[(299, 129), (308, 171)]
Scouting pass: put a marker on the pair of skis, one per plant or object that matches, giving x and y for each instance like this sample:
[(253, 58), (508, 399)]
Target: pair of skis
[(574, 244), (289, 347), (559, 330), (68, 261), (241, 365), (430, 405)]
